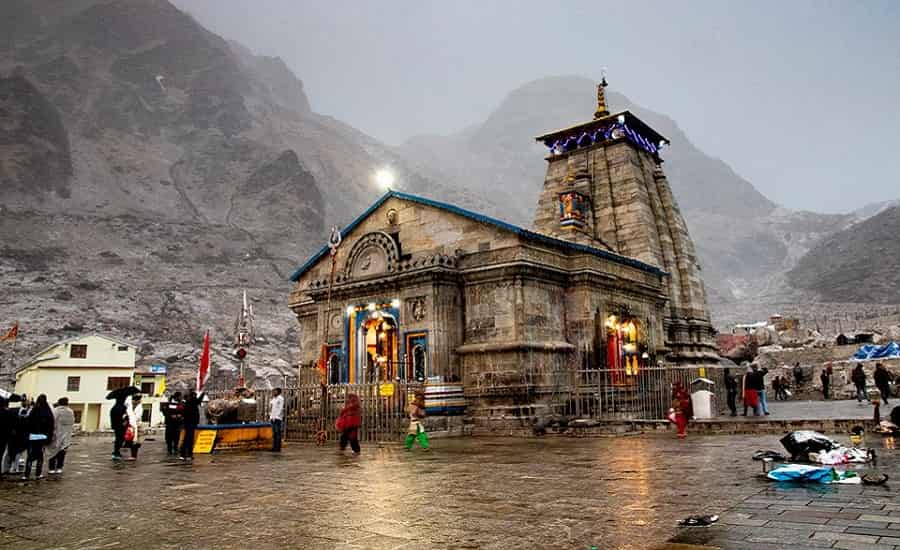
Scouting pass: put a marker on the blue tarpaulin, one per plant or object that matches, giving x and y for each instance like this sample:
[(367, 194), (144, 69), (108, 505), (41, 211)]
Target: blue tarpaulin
[(886, 351)]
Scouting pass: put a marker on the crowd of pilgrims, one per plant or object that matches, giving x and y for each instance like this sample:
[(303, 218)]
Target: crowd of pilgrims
[(32, 432)]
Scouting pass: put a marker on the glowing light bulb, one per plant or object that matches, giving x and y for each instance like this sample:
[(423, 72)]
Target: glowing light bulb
[(350, 310), (384, 178), (395, 303), (371, 307)]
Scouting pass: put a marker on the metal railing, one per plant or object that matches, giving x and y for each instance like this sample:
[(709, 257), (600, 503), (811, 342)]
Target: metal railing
[(310, 408), (600, 394), (607, 394)]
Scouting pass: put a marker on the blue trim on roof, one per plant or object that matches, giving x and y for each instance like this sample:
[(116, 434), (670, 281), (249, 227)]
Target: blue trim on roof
[(521, 231)]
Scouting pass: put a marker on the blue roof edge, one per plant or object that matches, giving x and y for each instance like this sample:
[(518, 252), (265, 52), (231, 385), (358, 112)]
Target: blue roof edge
[(528, 234)]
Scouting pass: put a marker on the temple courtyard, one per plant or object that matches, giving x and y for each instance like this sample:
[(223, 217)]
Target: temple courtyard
[(554, 492)]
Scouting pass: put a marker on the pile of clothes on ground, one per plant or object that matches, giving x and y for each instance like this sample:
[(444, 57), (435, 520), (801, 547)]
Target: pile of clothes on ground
[(814, 448)]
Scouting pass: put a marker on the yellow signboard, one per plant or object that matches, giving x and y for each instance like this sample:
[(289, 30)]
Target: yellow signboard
[(702, 372), (387, 390), (204, 440)]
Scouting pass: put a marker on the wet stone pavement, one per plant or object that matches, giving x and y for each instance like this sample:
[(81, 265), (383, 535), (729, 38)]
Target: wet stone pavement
[(501, 493)]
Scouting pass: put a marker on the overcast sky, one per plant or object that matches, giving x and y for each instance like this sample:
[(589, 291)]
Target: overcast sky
[(801, 98)]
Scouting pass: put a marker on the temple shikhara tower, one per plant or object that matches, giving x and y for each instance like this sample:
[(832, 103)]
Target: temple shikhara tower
[(602, 290), (605, 187)]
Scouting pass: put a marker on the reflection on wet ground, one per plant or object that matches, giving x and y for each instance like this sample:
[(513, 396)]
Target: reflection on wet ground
[(623, 492)]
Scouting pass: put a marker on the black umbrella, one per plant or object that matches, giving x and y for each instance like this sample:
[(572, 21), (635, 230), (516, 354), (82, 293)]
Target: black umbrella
[(9, 396), (122, 393)]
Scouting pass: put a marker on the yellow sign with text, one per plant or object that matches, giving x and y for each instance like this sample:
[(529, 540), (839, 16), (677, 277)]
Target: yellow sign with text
[(387, 390), (204, 441)]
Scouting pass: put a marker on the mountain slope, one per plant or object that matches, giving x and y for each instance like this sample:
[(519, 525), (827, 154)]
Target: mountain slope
[(150, 170), (859, 264)]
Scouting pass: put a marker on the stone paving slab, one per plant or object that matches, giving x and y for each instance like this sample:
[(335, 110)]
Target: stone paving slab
[(786, 515)]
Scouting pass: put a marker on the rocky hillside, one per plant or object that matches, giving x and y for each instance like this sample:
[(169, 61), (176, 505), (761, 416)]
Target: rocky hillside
[(150, 170), (745, 242), (859, 264)]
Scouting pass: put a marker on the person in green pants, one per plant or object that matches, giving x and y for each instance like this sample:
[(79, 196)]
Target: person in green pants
[(416, 429)]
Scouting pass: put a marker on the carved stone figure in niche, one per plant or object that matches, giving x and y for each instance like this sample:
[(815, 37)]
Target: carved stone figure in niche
[(417, 308), (392, 217), (373, 254)]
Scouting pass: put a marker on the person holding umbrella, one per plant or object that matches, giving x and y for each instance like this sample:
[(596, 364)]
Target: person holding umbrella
[(118, 417)]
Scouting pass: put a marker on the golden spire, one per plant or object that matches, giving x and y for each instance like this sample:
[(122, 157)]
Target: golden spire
[(602, 111)]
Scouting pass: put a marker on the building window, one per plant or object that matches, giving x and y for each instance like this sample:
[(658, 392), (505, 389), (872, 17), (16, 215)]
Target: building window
[(73, 383), (123, 348), (78, 351), (147, 388), (116, 382), (145, 414)]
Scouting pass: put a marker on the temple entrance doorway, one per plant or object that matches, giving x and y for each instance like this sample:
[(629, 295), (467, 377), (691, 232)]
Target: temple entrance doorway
[(377, 354)]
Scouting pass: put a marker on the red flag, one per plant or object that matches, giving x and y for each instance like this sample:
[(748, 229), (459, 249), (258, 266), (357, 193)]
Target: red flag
[(11, 334), (203, 373)]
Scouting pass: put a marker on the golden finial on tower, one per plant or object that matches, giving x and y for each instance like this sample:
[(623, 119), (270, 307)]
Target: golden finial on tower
[(602, 111)]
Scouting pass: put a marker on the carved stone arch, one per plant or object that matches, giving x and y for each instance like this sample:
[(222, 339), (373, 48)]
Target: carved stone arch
[(373, 254)]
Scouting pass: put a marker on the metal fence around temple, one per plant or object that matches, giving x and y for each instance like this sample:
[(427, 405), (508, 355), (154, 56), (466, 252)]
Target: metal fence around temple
[(309, 409), (613, 394), (599, 394)]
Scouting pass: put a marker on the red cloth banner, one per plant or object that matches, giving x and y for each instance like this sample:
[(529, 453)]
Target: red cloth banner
[(203, 373)]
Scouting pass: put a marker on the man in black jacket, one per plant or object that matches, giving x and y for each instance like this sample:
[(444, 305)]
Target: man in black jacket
[(883, 380), (731, 387), (191, 421), (173, 413), (118, 423)]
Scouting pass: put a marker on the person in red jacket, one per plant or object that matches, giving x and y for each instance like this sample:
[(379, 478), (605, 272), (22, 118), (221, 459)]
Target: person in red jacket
[(682, 408), (348, 423)]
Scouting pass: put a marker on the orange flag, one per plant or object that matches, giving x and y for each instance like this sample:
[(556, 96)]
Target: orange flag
[(11, 334)]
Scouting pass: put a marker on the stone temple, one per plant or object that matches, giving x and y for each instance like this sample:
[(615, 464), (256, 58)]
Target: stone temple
[(607, 278)]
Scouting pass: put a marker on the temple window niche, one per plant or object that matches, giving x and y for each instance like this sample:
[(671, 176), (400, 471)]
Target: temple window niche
[(572, 209)]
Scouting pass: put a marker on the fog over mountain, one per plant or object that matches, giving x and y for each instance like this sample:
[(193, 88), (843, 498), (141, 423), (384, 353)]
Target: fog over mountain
[(796, 97)]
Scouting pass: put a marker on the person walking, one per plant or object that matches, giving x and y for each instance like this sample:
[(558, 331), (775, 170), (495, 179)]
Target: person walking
[(825, 378), (276, 417), (173, 414), (416, 430), (731, 389), (63, 425), (191, 421), (776, 387), (883, 379), (135, 439), (798, 375), (858, 377), (40, 433), (348, 423), (118, 418)]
